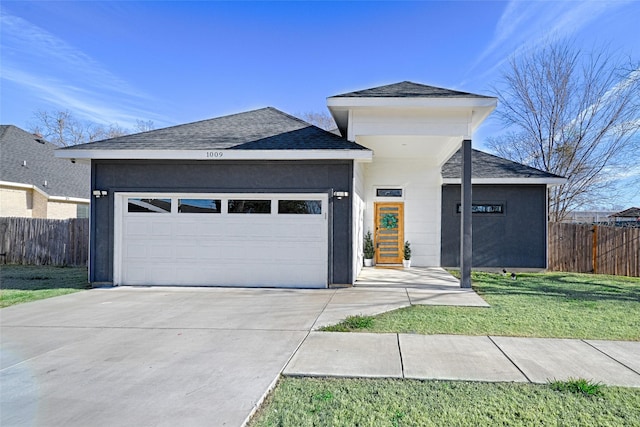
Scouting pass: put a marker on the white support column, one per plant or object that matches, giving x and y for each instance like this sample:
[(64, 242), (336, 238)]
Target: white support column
[(465, 217)]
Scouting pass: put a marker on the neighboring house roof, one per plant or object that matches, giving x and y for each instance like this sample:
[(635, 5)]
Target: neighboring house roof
[(29, 160), (627, 213), (488, 168), (408, 89), (263, 129)]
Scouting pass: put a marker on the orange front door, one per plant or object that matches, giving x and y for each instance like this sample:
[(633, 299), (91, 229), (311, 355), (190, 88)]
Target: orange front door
[(389, 236)]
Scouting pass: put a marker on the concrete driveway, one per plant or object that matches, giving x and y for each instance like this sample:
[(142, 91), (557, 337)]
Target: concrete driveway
[(135, 356), (149, 356)]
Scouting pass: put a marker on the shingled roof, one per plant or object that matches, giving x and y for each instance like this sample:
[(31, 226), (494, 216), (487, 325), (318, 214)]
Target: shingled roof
[(627, 213), (263, 129), (28, 159), (485, 165), (408, 89)]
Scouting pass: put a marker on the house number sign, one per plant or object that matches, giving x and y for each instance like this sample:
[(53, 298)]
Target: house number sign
[(214, 154)]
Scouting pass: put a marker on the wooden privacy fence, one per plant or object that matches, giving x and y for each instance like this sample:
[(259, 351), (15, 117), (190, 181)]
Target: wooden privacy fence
[(38, 241), (584, 248)]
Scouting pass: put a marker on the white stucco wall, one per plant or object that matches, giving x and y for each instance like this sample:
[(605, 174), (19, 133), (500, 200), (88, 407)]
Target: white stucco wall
[(421, 183), (358, 217), (410, 121)]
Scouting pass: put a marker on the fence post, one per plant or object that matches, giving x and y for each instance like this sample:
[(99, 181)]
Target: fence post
[(594, 251)]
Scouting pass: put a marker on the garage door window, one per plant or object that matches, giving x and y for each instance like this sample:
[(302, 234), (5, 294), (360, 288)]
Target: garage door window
[(305, 207), (149, 205), (198, 206), (250, 206)]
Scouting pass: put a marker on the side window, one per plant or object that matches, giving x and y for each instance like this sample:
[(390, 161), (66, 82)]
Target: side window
[(82, 211), (484, 208), (389, 192)]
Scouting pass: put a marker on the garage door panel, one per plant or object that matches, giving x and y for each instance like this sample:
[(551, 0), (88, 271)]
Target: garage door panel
[(221, 249), (161, 229), (136, 250), (189, 230), (136, 228), (161, 274), (165, 251), (211, 228), (136, 276), (196, 252)]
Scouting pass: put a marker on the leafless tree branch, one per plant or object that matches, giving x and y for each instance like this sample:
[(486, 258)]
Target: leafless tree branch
[(63, 129), (572, 114)]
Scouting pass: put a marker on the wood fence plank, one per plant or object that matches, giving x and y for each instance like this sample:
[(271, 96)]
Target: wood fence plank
[(39, 241), (584, 248)]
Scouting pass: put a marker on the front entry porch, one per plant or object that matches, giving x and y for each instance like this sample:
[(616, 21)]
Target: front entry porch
[(399, 277), (381, 289), (423, 285)]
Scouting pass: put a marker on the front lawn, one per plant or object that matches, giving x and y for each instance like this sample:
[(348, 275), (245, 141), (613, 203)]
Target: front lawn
[(387, 402), (24, 283), (551, 305)]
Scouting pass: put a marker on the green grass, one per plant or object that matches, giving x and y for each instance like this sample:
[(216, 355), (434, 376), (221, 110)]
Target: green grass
[(385, 402), (551, 305), (350, 324), (578, 386), (25, 283)]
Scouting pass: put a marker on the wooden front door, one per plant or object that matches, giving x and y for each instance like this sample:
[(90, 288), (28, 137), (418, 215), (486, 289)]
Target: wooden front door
[(389, 236)]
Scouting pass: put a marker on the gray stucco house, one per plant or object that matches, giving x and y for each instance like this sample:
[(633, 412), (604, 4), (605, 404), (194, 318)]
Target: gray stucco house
[(262, 198)]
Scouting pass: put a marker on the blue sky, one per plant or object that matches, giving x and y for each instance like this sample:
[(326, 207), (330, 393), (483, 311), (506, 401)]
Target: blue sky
[(177, 62)]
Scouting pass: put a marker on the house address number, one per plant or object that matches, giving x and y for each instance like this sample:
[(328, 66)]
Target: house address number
[(214, 154)]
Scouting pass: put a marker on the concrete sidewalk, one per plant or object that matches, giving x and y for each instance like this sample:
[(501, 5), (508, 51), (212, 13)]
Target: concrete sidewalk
[(472, 358)]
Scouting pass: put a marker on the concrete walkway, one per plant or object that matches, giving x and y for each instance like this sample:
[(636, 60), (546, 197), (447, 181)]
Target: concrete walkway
[(379, 290), (447, 357), (372, 301), (470, 358)]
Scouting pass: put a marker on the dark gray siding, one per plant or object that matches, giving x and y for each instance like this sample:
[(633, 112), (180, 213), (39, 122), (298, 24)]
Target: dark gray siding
[(221, 177), (516, 238)]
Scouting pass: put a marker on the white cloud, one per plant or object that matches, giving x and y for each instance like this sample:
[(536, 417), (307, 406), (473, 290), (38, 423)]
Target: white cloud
[(66, 77), (524, 25)]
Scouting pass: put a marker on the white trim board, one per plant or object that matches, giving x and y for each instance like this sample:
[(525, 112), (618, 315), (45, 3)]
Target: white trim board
[(430, 102), (547, 181), (216, 155)]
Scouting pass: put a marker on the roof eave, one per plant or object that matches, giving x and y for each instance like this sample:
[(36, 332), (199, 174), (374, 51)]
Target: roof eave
[(429, 102), (215, 155), (549, 181)]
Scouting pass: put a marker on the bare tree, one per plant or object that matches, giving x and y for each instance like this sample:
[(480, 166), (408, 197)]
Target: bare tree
[(323, 120), (63, 129), (144, 125), (572, 114)]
